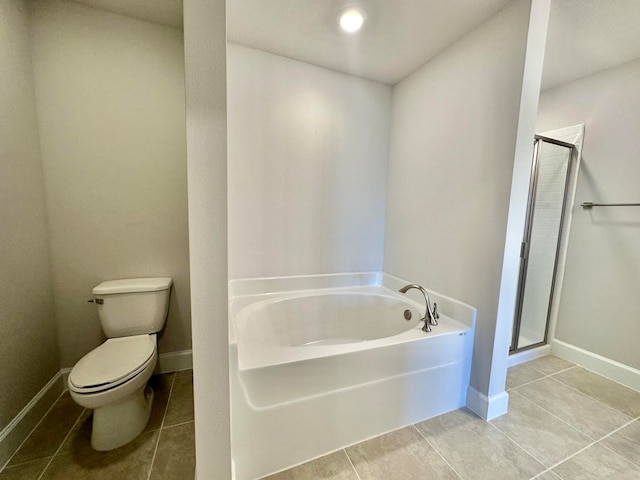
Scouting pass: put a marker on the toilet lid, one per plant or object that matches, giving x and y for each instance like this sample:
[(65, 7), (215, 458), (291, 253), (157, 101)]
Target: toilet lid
[(113, 362)]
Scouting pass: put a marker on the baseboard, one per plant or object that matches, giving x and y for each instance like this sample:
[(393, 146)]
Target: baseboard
[(12, 436), (604, 366), (487, 407), (174, 361), (525, 356)]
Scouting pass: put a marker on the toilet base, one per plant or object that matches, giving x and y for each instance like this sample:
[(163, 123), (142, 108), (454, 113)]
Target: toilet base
[(117, 424)]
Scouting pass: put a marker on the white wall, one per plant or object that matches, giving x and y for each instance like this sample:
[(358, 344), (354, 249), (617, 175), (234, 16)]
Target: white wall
[(206, 97), (453, 142), (308, 151), (599, 305), (110, 96), (28, 346)]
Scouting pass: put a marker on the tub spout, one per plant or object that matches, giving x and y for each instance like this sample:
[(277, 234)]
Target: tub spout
[(429, 316)]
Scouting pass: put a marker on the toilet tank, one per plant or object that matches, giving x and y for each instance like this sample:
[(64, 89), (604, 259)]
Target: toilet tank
[(133, 306)]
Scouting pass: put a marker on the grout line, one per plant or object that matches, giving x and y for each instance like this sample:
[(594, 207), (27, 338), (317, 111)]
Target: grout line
[(62, 443), (164, 416), (352, 464), (527, 452), (590, 397), (556, 416), (437, 451), (175, 425), (548, 470), (541, 378), (31, 432)]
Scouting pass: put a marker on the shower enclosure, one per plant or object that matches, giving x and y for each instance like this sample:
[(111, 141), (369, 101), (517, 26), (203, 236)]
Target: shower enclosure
[(540, 247)]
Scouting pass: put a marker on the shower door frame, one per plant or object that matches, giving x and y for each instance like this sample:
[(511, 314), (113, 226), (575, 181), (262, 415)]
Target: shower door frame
[(526, 243)]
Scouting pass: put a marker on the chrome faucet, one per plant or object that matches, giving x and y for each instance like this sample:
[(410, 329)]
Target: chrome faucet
[(429, 316)]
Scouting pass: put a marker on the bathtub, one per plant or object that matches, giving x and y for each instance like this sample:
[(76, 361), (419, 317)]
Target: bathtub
[(322, 362)]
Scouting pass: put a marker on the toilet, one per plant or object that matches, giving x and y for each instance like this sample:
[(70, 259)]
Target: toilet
[(112, 379)]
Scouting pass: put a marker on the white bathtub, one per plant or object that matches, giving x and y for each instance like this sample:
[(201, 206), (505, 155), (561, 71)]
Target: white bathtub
[(326, 365)]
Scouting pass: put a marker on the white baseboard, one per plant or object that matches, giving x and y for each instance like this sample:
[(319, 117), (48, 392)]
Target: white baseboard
[(174, 361), (604, 366), (525, 356), (487, 407), (12, 436)]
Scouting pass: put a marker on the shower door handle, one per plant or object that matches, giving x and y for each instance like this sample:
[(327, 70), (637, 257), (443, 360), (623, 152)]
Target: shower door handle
[(523, 249)]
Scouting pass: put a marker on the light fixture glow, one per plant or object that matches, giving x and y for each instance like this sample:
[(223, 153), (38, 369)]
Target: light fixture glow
[(351, 20)]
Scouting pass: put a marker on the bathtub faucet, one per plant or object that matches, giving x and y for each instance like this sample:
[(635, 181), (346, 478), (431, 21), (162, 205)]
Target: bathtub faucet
[(429, 316)]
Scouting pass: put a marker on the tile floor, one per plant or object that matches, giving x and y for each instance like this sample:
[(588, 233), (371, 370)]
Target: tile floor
[(59, 447), (564, 422)]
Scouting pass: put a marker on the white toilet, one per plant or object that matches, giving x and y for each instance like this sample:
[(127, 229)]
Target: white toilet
[(111, 379)]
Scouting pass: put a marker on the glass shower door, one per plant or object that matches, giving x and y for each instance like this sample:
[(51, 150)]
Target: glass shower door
[(541, 241)]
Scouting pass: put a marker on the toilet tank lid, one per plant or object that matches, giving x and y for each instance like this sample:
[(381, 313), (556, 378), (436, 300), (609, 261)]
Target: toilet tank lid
[(133, 285)]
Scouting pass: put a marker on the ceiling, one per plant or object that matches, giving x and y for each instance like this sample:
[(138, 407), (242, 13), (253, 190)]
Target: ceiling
[(588, 36), (164, 12), (397, 38), (585, 36)]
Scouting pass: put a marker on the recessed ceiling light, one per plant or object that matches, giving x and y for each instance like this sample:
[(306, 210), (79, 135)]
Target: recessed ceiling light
[(351, 20)]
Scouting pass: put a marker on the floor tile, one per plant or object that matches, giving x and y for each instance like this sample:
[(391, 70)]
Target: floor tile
[(521, 374), (476, 450), (50, 433), (570, 405), (538, 432), (180, 408), (131, 461), (626, 442), (400, 454), (335, 466), (597, 463), (184, 373), (161, 385), (550, 364), (607, 391), (25, 471), (176, 456)]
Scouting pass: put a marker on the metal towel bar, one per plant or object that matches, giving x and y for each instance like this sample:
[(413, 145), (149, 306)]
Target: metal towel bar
[(591, 205)]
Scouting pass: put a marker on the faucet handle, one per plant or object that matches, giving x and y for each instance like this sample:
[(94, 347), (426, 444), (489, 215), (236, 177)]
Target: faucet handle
[(436, 315)]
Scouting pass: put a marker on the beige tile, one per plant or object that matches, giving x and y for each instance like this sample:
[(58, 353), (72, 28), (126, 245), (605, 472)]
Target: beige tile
[(476, 450), (607, 391), (401, 454), (335, 466), (25, 471), (50, 433), (626, 442), (180, 408), (597, 463), (161, 385), (131, 461), (184, 373), (550, 364), (521, 374), (538, 432), (176, 456), (570, 406)]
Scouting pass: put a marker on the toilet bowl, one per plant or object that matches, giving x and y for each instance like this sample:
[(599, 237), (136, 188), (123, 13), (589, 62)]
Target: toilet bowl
[(111, 379)]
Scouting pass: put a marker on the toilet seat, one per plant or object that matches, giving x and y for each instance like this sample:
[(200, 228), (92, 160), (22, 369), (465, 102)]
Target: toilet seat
[(113, 363)]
